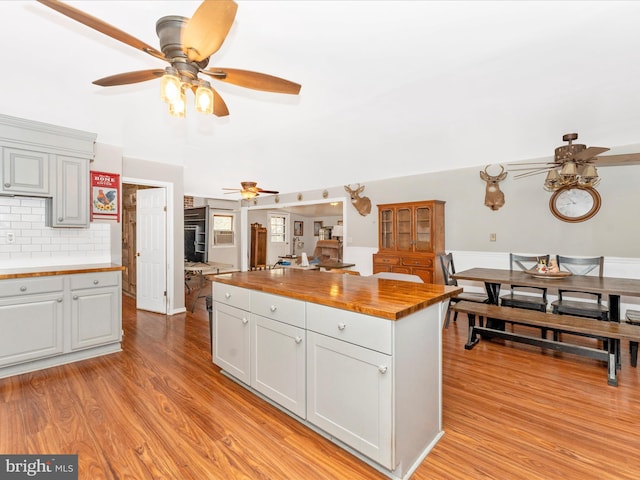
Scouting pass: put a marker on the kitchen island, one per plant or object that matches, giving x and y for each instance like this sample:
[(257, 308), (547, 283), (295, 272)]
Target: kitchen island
[(58, 314), (357, 359)]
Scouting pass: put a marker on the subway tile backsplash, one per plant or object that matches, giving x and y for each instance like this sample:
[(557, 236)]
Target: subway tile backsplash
[(26, 241)]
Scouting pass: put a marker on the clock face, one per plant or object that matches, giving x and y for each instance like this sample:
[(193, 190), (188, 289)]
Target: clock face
[(575, 204)]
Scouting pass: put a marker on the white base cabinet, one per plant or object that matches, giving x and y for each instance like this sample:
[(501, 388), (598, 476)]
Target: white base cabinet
[(45, 321), (370, 384)]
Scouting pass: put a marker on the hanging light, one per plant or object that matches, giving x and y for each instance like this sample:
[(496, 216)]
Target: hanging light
[(571, 173), (248, 194), (178, 106), (170, 85), (204, 97)]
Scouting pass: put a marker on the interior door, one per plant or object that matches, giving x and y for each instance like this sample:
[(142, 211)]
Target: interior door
[(151, 243), (278, 237)]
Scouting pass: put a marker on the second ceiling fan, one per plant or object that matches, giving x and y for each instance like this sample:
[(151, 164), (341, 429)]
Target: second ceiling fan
[(250, 190), (186, 44)]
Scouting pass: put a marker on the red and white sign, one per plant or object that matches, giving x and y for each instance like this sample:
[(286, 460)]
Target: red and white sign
[(105, 195)]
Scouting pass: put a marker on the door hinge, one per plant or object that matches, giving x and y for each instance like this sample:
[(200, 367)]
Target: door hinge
[(165, 293), (164, 208)]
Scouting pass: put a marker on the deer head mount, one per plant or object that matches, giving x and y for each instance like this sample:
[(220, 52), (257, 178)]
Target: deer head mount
[(493, 197), (361, 204)]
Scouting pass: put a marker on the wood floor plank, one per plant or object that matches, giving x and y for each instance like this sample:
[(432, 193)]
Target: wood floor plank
[(161, 410)]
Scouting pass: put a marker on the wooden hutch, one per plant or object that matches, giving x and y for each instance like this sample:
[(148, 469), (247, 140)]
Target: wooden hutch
[(410, 237), (258, 257)]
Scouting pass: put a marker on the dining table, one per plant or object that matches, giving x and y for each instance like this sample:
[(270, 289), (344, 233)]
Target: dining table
[(611, 287)]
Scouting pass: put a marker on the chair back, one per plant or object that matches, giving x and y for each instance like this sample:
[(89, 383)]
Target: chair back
[(525, 262), (448, 269), (581, 266), (399, 276)]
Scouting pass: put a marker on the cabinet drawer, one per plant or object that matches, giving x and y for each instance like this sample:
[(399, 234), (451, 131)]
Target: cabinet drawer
[(386, 260), (417, 261), (276, 307), (28, 286), (364, 330), (95, 279), (231, 295)]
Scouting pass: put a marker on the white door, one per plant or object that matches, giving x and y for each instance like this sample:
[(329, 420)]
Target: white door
[(278, 237), (151, 242)]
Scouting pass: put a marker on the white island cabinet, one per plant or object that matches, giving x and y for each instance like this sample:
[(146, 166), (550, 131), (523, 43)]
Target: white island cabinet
[(356, 359)]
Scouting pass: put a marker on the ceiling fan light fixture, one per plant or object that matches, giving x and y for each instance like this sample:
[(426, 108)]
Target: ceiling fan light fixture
[(569, 170), (170, 85), (248, 194), (178, 107), (204, 97)]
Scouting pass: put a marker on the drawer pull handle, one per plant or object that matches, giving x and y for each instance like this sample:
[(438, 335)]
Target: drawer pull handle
[(273, 308), (75, 297), (382, 369), (23, 288), (341, 326), (298, 340), (244, 321), (227, 295), (95, 282)]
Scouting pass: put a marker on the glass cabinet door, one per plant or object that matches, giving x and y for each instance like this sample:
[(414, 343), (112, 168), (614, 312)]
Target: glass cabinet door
[(386, 229), (404, 229), (423, 229)]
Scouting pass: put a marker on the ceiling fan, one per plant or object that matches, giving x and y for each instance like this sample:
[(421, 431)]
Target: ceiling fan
[(186, 44), (249, 190), (575, 164)]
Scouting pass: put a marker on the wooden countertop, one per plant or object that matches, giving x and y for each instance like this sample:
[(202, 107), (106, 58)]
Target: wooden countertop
[(391, 299), (25, 272)]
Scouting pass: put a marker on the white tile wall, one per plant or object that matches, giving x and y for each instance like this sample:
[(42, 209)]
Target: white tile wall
[(35, 244)]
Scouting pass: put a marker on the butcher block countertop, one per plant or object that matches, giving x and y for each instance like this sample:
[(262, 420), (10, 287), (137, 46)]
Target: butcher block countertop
[(26, 272), (391, 299)]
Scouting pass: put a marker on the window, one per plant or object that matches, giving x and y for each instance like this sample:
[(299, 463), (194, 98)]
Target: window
[(222, 229), (278, 229)]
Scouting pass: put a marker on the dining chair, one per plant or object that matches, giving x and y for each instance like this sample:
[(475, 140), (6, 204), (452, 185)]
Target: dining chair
[(576, 302), (530, 298), (632, 317), (448, 270)]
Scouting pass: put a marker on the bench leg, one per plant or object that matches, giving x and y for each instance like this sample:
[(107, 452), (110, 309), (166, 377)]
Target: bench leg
[(473, 339), (633, 351)]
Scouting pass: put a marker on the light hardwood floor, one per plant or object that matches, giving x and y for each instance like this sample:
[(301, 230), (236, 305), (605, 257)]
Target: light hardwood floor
[(161, 410)]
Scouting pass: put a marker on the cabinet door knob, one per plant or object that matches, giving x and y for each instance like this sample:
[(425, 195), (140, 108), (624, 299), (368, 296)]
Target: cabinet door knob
[(298, 339), (273, 308), (23, 288), (59, 300), (341, 326), (7, 184), (60, 219), (95, 282), (382, 369), (227, 295), (244, 321), (75, 297)]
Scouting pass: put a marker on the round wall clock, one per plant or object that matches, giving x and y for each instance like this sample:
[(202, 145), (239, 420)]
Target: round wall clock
[(575, 203)]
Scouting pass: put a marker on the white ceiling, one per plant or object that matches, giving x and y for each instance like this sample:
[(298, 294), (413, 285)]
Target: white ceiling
[(389, 88)]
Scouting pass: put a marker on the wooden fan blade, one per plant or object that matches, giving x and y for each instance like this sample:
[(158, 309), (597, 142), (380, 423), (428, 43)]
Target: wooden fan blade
[(129, 77), (101, 26), (530, 174), (219, 107), (266, 191), (589, 152), (254, 80), (618, 160), (208, 28), (531, 169)]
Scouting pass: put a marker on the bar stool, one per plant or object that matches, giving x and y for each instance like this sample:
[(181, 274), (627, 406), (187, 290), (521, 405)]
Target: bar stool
[(632, 317)]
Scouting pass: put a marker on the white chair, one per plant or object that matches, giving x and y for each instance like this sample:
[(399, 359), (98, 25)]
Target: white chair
[(406, 277)]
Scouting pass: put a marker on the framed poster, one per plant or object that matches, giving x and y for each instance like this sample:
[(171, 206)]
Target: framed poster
[(298, 228), (105, 195)]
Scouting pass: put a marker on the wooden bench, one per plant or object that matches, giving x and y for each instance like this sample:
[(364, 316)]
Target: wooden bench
[(611, 331)]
